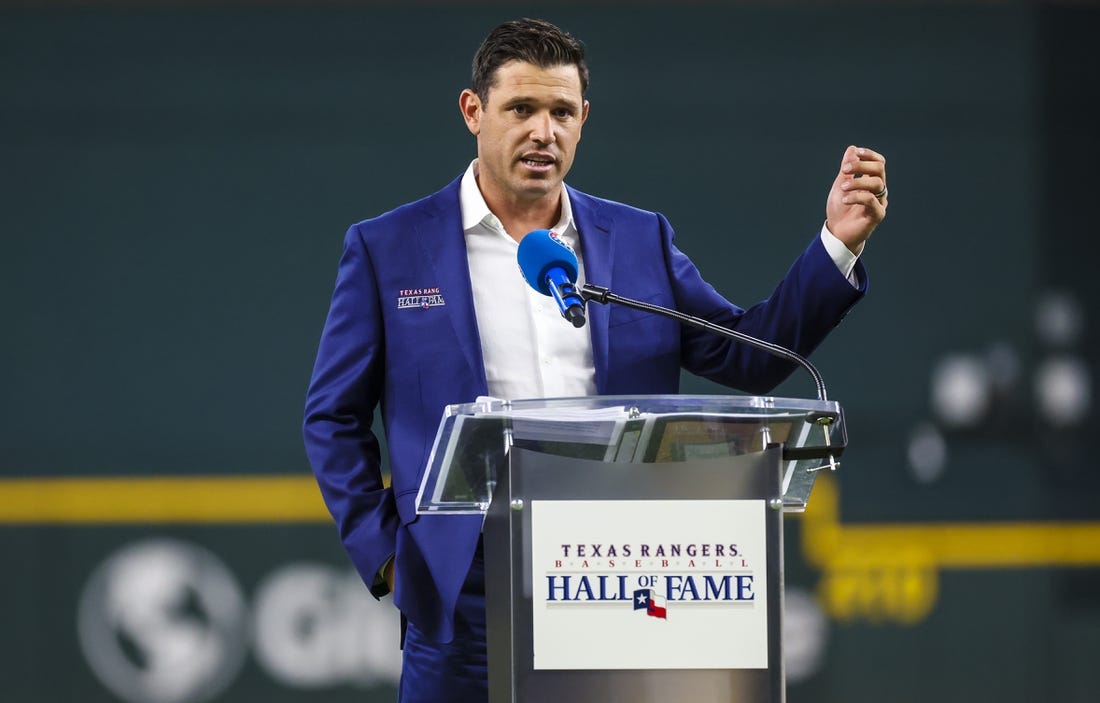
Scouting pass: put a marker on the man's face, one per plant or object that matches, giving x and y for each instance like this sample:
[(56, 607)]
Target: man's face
[(527, 131)]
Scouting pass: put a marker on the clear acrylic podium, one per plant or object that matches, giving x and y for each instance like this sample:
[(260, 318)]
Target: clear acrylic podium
[(633, 544)]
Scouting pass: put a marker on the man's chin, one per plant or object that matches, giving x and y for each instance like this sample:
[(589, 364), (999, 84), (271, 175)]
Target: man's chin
[(540, 186)]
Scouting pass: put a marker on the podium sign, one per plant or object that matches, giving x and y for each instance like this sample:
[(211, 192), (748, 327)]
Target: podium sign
[(676, 576)]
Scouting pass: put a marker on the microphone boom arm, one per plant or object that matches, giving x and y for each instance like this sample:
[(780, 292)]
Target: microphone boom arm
[(602, 295)]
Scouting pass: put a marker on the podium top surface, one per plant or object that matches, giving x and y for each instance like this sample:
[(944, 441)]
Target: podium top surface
[(755, 405), (473, 439)]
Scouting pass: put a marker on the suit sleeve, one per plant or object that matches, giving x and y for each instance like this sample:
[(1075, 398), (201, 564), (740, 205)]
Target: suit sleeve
[(807, 304), (343, 393)]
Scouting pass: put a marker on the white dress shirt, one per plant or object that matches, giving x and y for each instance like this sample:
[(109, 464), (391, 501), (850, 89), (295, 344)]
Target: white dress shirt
[(529, 349)]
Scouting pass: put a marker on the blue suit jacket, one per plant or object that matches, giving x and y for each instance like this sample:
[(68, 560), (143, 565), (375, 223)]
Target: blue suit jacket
[(415, 361)]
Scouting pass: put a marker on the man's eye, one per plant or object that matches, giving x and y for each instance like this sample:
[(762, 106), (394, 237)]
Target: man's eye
[(563, 113), (521, 109)]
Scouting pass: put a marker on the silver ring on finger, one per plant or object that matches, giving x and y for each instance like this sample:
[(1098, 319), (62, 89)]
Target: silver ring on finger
[(884, 193)]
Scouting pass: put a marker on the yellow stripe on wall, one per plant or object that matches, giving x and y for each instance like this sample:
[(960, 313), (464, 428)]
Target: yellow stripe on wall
[(169, 499), (889, 572), (945, 545), (977, 546)]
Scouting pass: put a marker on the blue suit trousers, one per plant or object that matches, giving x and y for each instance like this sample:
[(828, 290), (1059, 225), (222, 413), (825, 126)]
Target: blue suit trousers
[(456, 672)]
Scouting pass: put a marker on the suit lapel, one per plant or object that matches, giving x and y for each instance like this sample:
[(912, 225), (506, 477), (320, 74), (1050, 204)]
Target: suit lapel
[(597, 253), (440, 237)]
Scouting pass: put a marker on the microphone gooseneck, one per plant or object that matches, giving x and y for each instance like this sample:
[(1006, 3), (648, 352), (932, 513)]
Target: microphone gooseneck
[(602, 295)]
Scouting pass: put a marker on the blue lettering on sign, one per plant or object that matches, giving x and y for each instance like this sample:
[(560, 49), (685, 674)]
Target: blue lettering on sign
[(719, 591), (744, 588), (728, 588), (566, 588)]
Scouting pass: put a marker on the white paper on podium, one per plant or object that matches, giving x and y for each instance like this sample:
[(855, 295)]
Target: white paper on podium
[(583, 425)]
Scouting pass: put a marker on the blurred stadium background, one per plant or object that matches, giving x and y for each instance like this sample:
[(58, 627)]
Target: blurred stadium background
[(177, 178)]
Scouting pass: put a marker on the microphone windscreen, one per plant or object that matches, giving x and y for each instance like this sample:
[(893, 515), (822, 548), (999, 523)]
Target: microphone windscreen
[(539, 252)]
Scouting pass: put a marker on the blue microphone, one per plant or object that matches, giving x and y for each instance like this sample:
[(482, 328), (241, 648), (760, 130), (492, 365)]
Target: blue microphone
[(549, 266)]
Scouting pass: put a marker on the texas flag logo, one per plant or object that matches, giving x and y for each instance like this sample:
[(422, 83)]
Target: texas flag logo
[(654, 606)]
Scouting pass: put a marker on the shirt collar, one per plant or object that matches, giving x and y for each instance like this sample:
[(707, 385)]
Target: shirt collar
[(476, 212)]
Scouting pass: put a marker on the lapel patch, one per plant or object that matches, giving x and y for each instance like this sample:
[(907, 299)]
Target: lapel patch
[(423, 298)]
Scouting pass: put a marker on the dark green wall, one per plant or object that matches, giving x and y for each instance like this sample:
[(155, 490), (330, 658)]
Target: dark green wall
[(176, 185)]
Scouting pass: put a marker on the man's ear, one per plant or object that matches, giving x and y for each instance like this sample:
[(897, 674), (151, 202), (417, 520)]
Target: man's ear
[(470, 106)]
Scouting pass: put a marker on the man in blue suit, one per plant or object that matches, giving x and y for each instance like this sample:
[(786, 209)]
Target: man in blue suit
[(429, 309)]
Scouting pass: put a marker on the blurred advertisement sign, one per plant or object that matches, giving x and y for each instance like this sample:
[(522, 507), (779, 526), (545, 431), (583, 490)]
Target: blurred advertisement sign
[(166, 621)]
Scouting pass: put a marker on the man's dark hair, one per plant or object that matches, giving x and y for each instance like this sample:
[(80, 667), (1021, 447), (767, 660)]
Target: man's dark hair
[(532, 41)]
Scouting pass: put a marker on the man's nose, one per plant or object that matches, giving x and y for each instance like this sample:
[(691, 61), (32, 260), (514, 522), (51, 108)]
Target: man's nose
[(542, 128)]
